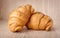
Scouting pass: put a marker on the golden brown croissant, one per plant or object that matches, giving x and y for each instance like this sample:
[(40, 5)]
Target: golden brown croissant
[(40, 21), (19, 17)]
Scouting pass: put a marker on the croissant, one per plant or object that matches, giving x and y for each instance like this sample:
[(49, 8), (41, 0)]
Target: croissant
[(40, 21), (19, 17)]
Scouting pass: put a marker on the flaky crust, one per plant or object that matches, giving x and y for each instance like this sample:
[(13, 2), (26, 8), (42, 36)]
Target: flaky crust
[(40, 21), (19, 17)]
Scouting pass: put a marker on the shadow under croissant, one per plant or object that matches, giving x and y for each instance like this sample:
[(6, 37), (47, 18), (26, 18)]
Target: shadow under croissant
[(26, 30)]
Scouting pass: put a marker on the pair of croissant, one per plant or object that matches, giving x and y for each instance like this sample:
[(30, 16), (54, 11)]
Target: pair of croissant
[(25, 16)]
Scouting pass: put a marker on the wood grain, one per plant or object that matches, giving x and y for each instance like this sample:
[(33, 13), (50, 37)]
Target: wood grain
[(49, 7), (6, 33)]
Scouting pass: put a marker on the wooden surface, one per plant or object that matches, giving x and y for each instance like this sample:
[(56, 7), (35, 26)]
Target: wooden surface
[(6, 33), (48, 7)]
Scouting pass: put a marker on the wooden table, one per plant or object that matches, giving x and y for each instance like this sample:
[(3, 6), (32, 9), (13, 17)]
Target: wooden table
[(6, 33)]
